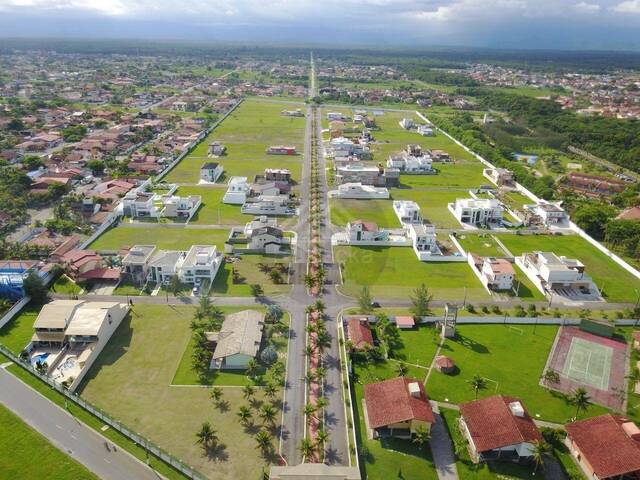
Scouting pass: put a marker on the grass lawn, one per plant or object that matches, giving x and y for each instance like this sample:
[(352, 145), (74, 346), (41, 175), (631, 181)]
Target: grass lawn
[(388, 458), (467, 470), (419, 345), (618, 284), (483, 245), (391, 272), (512, 359), (213, 211), (185, 375), (248, 268), (16, 334), (25, 454), (132, 381), (515, 200), (65, 286), (379, 211), (247, 133), (464, 174), (163, 237)]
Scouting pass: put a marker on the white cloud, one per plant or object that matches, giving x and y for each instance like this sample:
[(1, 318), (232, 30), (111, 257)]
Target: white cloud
[(629, 6), (587, 7)]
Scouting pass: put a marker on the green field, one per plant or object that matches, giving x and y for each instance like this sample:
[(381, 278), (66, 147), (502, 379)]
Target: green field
[(213, 211), (391, 272), (483, 245), (16, 334), (27, 455), (250, 272), (379, 211), (163, 237), (64, 285), (463, 175), (512, 359), (248, 132), (132, 381), (618, 285)]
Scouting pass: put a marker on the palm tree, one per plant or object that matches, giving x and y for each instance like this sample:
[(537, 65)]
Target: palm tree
[(321, 403), (268, 413), (309, 410), (309, 281), (321, 439), (581, 400), (307, 448), (309, 309), (308, 350), (401, 369), (252, 368), (321, 373), (270, 390), (319, 306), (634, 376), (244, 414), (248, 391), (541, 450), (478, 383), (421, 436), (264, 441), (216, 394), (206, 436)]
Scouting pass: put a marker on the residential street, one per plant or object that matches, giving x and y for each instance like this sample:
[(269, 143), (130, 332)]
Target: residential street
[(69, 434)]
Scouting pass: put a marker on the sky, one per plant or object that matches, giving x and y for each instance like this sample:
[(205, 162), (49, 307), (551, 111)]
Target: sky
[(511, 24)]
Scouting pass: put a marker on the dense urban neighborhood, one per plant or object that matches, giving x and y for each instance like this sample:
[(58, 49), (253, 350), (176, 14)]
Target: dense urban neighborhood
[(289, 263)]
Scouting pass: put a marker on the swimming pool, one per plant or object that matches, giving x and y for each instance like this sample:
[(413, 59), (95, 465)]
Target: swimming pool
[(41, 358), (68, 364)]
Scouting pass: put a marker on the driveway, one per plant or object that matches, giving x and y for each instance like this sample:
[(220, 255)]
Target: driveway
[(442, 450)]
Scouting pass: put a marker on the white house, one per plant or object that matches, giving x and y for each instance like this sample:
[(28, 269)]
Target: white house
[(407, 211), (424, 240), (498, 273), (425, 131), (210, 172), (549, 214), (216, 149), (359, 231), (407, 123), (261, 235), (268, 205), (331, 116), (153, 205), (267, 239), (237, 191), (238, 340), (344, 147), (477, 212), (500, 176), (200, 262), (551, 273), (358, 191), (410, 164)]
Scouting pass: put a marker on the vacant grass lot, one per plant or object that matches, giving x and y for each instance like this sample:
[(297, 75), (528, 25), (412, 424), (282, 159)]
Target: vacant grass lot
[(16, 334), (618, 284), (512, 359), (379, 211), (27, 455), (391, 272), (212, 210), (388, 458), (464, 174), (250, 272), (132, 381), (163, 237), (64, 285), (483, 245), (248, 132)]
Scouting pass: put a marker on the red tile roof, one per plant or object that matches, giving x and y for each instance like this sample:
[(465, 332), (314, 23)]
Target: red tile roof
[(404, 321), (390, 402), (492, 424), (367, 226), (359, 332), (605, 445), (444, 362), (632, 213), (101, 274)]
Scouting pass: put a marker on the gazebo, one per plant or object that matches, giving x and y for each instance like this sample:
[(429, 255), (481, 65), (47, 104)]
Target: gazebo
[(445, 364)]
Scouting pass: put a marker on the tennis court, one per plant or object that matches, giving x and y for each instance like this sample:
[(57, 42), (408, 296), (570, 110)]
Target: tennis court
[(589, 363)]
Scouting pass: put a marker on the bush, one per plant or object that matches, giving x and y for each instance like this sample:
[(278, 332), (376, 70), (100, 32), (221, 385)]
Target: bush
[(470, 308)]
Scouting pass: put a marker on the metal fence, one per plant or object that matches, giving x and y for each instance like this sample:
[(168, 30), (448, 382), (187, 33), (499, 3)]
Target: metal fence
[(135, 437)]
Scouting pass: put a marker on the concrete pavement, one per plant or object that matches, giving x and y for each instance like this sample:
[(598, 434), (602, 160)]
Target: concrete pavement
[(70, 435), (442, 450)]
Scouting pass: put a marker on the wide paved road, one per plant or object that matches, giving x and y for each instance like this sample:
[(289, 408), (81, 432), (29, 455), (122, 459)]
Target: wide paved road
[(69, 434)]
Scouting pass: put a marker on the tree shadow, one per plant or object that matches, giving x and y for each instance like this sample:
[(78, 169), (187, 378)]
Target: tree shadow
[(218, 453)]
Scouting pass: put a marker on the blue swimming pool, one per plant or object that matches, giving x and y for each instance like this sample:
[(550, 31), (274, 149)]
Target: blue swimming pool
[(39, 358)]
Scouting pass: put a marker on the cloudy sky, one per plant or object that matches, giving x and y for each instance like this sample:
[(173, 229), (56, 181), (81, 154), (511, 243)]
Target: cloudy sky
[(560, 24)]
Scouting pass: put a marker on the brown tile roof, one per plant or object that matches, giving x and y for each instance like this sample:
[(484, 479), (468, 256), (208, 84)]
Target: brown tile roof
[(492, 425), (605, 445), (389, 402), (359, 332), (632, 213)]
